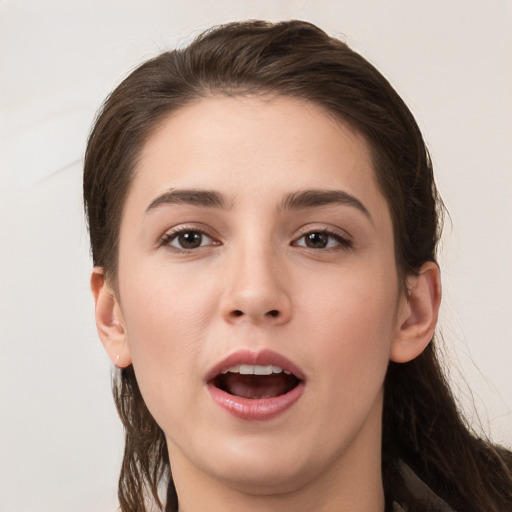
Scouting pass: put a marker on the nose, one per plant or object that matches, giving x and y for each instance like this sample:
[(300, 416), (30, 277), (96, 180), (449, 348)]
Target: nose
[(256, 290)]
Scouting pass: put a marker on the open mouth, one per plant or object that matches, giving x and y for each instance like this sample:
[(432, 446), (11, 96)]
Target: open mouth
[(256, 381)]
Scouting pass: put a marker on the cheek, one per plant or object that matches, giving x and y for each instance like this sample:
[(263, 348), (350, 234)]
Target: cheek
[(352, 301), (160, 300), (167, 315), (354, 354), (354, 319)]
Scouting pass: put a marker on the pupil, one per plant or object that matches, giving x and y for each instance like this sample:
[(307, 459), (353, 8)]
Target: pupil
[(190, 240), (317, 240)]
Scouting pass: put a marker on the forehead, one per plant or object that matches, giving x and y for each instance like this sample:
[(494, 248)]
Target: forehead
[(251, 143)]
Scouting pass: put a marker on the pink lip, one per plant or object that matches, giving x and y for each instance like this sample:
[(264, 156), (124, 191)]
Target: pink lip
[(255, 409), (263, 358)]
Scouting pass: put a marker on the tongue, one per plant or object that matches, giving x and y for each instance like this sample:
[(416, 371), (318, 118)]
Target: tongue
[(256, 386)]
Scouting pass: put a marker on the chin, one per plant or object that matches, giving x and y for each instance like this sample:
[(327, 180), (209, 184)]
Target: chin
[(266, 480), (264, 467)]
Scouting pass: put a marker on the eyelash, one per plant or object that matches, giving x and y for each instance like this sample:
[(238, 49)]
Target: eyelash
[(343, 243), (173, 235)]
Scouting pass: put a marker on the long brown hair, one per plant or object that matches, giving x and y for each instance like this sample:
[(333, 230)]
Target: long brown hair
[(421, 422)]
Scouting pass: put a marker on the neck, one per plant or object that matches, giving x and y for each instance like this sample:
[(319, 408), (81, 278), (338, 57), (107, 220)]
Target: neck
[(352, 483)]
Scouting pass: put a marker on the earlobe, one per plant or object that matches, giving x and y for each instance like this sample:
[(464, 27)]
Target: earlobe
[(109, 320), (418, 314)]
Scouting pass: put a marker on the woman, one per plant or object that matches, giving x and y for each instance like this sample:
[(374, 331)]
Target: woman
[(263, 223)]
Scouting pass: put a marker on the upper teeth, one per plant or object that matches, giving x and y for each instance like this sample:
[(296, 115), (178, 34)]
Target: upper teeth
[(254, 369)]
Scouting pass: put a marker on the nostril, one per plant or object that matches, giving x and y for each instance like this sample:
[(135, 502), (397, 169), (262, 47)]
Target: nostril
[(237, 313)]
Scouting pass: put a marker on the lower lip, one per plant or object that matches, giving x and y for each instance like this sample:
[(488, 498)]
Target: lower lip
[(257, 409)]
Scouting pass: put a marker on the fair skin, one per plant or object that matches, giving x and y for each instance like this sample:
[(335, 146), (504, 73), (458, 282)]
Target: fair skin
[(260, 266)]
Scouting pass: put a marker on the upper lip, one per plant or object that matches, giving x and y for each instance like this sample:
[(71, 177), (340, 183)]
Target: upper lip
[(262, 357)]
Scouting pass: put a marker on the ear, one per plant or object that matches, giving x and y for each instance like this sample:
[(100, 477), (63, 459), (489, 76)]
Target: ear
[(109, 320), (418, 314)]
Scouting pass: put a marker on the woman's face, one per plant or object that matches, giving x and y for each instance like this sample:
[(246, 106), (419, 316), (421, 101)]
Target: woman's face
[(254, 238)]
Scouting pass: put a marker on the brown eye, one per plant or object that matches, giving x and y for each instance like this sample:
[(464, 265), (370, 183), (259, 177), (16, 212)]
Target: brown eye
[(316, 240), (322, 240), (188, 240)]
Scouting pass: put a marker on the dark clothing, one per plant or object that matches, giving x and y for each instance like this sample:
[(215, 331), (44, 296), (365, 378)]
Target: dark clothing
[(425, 500)]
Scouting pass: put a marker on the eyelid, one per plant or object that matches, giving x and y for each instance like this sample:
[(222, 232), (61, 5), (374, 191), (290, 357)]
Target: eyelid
[(344, 239), (172, 233)]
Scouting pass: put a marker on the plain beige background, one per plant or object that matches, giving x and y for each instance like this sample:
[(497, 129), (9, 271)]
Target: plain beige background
[(61, 441)]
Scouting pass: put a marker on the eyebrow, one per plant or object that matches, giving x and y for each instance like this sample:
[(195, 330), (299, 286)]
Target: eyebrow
[(317, 197), (310, 198), (205, 198)]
